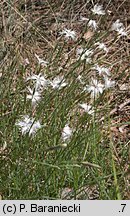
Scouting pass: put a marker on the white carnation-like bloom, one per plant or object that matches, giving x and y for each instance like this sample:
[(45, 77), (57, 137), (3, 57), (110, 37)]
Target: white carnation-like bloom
[(83, 18), (39, 80), (117, 25), (102, 70), (93, 24), (109, 83), (68, 33), (66, 133), (41, 61), (119, 28), (95, 88), (80, 79), (85, 54), (28, 125), (87, 108), (58, 82), (102, 46), (122, 32), (34, 96), (98, 9)]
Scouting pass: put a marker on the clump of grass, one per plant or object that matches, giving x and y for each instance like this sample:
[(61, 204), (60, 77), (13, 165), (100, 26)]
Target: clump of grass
[(60, 78)]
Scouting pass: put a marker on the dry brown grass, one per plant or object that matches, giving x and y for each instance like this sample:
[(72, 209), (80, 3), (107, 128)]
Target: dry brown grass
[(28, 27)]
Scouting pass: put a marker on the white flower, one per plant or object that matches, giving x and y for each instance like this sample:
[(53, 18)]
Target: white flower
[(95, 88), (122, 32), (102, 46), (98, 9), (102, 70), (26, 61), (79, 51), (87, 108), (69, 34), (40, 81), (34, 96), (66, 133), (119, 27), (109, 12), (28, 125), (41, 61), (108, 83), (92, 24), (58, 83), (79, 78), (83, 18), (84, 54)]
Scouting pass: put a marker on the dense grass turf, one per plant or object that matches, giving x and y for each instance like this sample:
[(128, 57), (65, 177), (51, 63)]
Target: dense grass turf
[(64, 134)]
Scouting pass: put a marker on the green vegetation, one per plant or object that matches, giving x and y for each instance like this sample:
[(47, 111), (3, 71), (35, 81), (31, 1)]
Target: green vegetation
[(77, 144)]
